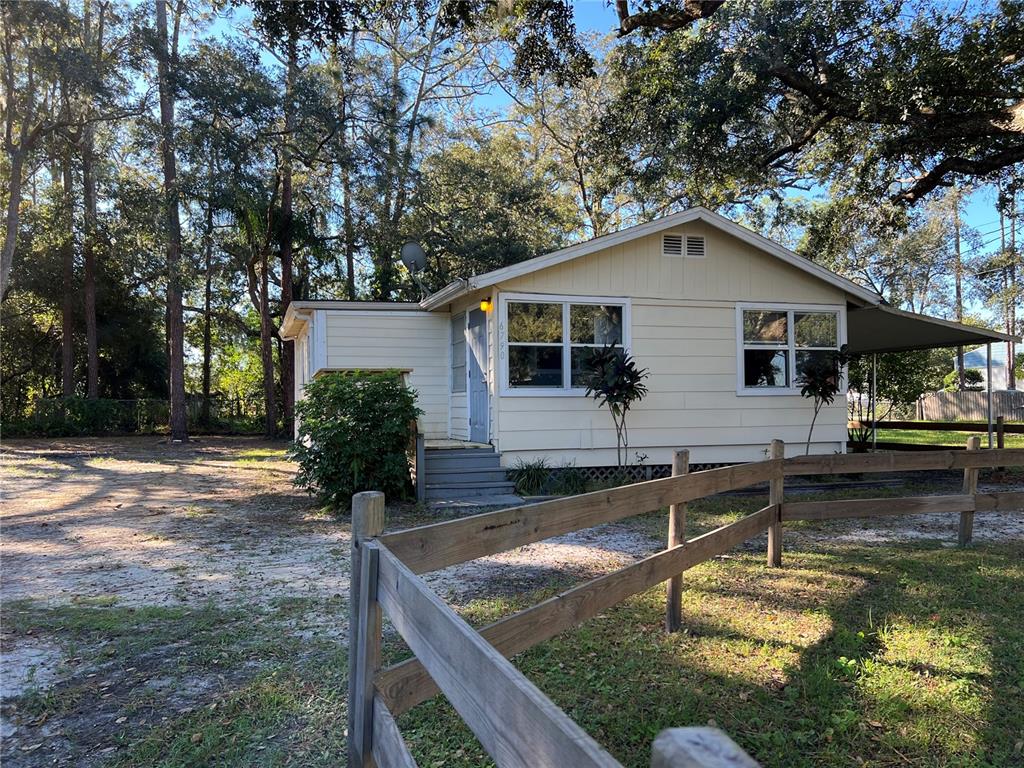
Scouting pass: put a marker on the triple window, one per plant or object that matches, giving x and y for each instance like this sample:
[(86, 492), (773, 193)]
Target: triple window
[(547, 341), (776, 343)]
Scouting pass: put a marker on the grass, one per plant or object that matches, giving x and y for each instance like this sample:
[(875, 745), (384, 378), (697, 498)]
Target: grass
[(264, 454), (941, 437), (881, 656)]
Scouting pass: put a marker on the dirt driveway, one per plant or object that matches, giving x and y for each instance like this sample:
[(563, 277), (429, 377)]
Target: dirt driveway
[(144, 583), (155, 524), (142, 580)]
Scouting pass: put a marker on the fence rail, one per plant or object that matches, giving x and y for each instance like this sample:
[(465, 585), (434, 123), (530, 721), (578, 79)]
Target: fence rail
[(514, 721)]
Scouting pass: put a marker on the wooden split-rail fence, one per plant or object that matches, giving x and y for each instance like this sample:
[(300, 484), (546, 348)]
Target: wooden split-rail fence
[(514, 721)]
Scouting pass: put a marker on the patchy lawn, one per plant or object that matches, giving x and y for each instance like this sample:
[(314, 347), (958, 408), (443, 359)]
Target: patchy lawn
[(893, 655), (184, 605), (942, 437)]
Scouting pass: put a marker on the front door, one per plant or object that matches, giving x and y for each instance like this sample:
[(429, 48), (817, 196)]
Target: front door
[(478, 410)]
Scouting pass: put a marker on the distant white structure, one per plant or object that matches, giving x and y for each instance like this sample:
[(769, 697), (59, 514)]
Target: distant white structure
[(976, 359)]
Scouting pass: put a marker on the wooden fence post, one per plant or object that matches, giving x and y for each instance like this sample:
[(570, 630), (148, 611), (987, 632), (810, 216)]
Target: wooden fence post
[(1000, 431), (421, 468), (676, 536), (775, 493), (970, 488), (364, 626)]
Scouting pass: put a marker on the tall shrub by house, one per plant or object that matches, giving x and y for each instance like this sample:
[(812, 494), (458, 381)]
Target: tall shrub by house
[(613, 379), (354, 430)]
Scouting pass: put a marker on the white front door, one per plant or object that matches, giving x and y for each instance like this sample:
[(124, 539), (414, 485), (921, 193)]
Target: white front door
[(478, 401)]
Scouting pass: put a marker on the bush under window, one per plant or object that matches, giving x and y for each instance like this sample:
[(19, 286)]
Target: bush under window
[(354, 432)]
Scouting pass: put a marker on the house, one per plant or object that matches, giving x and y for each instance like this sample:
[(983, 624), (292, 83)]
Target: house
[(719, 315), (977, 359)]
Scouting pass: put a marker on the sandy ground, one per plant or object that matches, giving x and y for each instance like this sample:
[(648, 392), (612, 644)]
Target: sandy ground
[(157, 524), (137, 522)]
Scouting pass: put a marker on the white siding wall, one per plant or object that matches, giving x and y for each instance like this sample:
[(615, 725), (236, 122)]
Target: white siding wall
[(302, 367), (684, 332), (414, 341)]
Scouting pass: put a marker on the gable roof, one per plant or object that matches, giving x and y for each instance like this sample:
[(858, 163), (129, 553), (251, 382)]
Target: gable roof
[(976, 358), (462, 287)]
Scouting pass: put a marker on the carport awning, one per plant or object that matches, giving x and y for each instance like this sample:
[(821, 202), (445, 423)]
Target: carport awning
[(884, 329)]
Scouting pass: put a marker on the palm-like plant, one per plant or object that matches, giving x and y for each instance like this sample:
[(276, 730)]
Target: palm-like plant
[(615, 381), (821, 379)]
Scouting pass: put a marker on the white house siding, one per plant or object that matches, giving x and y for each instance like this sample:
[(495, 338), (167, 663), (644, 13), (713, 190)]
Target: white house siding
[(684, 331), (460, 416), (409, 340), (302, 367)]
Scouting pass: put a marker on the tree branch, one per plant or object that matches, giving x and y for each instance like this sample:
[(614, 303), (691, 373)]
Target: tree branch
[(936, 177), (665, 17)]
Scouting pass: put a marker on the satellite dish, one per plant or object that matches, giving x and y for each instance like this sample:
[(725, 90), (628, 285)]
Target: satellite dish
[(414, 257)]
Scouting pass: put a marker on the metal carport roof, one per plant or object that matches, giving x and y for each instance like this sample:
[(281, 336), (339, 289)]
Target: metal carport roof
[(881, 328)]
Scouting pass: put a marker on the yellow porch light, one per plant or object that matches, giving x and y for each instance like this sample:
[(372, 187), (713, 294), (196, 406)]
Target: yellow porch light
[(485, 304)]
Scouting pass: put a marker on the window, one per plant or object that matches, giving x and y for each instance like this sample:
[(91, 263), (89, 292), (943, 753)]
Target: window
[(458, 353), (776, 343), (547, 341)]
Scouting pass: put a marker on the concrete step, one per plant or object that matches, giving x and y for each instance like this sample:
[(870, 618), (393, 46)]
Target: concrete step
[(459, 453), (449, 464), (465, 475), (461, 490)]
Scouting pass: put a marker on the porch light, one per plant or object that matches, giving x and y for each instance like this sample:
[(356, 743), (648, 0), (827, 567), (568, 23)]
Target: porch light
[(485, 304)]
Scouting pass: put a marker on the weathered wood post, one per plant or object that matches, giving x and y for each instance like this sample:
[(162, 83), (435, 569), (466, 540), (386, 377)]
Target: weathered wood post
[(364, 626), (970, 488), (1000, 432), (676, 536), (700, 747), (775, 492), (421, 468)]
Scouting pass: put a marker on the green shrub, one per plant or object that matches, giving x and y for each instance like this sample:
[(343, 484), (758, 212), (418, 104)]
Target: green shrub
[(354, 431), (570, 480), (973, 381), (530, 477)]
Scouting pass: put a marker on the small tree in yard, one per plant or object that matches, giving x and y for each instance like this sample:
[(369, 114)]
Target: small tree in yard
[(613, 379), (354, 430), (821, 379)]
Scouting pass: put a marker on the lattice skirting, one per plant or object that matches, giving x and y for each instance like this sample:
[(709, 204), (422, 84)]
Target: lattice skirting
[(634, 474)]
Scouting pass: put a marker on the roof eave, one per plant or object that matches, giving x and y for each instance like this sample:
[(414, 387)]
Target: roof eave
[(446, 295)]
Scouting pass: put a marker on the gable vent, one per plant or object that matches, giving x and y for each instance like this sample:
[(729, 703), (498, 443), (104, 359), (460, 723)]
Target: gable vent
[(695, 248), (671, 245)]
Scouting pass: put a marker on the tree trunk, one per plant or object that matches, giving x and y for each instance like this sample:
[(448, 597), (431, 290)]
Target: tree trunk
[(11, 221), (67, 341), (175, 317), (87, 147), (89, 274), (287, 228), (267, 347), (207, 301), (347, 140)]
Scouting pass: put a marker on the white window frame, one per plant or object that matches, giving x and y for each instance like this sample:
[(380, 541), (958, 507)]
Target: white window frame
[(789, 309), (566, 301)]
